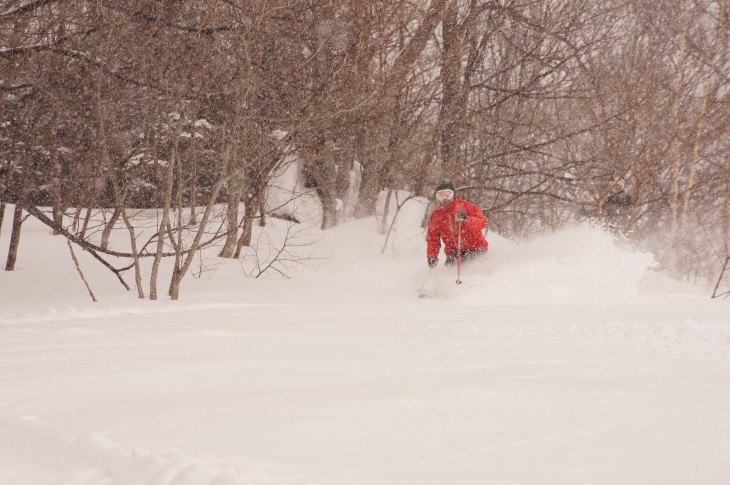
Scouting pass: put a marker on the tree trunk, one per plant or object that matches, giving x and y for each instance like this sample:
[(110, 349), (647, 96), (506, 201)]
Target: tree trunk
[(56, 177), (249, 214), (181, 271), (2, 215), (386, 209), (177, 274), (104, 156), (325, 176), (166, 203), (673, 243), (246, 226), (106, 233), (255, 200), (85, 226), (194, 188), (450, 91), (14, 238), (342, 179), (262, 207), (329, 208), (234, 199), (369, 188), (135, 254), (697, 141)]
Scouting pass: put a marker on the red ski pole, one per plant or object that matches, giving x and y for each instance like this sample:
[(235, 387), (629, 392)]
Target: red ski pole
[(458, 253)]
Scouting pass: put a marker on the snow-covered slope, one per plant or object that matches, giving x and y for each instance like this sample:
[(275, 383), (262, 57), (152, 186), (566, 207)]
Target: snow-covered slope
[(566, 359)]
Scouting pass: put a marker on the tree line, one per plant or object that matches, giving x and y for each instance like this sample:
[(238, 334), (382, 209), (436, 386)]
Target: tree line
[(536, 109)]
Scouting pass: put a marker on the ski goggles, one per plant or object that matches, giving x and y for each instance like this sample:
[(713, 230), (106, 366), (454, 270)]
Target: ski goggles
[(444, 194)]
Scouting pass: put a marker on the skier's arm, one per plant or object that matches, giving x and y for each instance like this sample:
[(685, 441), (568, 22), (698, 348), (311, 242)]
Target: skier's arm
[(475, 219)]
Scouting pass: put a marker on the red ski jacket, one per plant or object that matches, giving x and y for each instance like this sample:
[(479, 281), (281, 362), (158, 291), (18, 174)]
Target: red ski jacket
[(443, 225)]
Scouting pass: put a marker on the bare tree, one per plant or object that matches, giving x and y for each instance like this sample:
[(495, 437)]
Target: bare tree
[(535, 108)]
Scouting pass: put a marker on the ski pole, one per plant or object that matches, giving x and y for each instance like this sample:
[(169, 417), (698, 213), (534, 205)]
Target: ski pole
[(458, 253)]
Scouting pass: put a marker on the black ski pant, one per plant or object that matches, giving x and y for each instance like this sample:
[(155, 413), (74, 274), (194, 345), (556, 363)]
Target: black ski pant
[(466, 256)]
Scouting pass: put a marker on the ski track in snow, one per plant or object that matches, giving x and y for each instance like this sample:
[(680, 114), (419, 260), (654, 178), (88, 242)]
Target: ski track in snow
[(93, 459), (573, 289), (59, 315), (700, 338)]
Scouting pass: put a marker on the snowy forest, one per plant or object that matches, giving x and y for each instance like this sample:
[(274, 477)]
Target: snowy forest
[(535, 108)]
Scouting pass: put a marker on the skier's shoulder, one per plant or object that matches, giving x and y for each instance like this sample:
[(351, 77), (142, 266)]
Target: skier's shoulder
[(438, 213), (461, 204)]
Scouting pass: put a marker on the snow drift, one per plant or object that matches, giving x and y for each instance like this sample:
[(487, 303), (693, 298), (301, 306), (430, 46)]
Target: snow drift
[(563, 360)]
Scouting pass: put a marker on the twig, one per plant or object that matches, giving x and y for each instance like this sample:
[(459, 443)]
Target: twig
[(725, 265), (78, 268)]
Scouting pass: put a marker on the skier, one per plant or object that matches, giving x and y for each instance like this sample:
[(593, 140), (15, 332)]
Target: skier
[(445, 222), (616, 207)]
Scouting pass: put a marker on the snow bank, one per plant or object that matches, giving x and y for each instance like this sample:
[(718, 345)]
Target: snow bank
[(577, 265), (561, 360), (94, 459)]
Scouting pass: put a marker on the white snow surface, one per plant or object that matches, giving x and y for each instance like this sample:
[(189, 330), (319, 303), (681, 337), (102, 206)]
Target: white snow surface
[(567, 359)]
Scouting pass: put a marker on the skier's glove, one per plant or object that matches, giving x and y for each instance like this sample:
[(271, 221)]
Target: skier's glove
[(460, 217), (432, 262)]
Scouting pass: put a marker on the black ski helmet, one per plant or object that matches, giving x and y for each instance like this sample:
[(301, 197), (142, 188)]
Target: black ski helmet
[(445, 184)]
